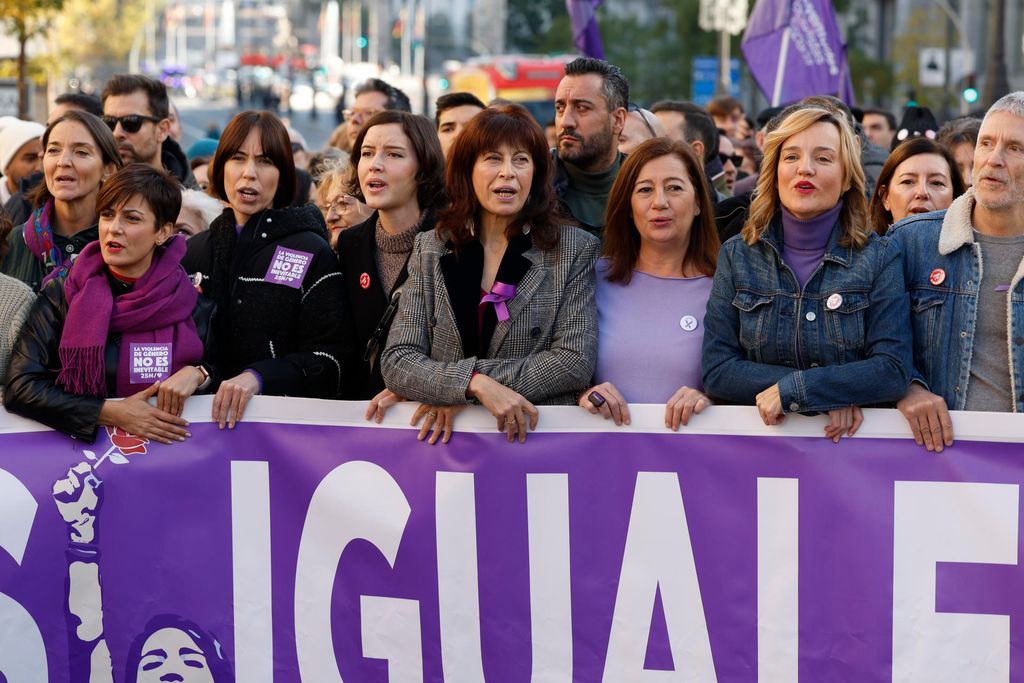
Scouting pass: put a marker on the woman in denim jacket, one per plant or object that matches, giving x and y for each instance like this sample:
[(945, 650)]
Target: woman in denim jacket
[(808, 312)]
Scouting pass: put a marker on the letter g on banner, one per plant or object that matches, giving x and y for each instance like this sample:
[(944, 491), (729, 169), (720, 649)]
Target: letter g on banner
[(355, 500)]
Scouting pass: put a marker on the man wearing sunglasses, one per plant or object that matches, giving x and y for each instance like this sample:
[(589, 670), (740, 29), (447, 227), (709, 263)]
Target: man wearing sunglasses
[(730, 163), (137, 110)]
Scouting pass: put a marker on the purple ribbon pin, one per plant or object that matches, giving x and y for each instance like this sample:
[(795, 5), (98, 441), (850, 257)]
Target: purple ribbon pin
[(500, 293)]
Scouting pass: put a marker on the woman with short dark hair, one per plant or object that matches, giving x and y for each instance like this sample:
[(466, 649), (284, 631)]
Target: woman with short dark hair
[(79, 151), (919, 176), (271, 272), (499, 307), (653, 283), (397, 169), (125, 323)]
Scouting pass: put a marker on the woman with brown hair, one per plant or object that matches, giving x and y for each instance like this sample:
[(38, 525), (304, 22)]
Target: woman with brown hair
[(398, 171), (919, 176), (808, 312), (653, 283), (124, 323), (499, 307), (79, 151), (271, 272)]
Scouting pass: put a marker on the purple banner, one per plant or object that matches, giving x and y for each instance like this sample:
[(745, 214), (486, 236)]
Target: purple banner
[(794, 50), (308, 545), (585, 32)]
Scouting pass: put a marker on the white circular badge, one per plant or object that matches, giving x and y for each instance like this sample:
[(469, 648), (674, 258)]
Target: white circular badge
[(688, 323), (834, 302)]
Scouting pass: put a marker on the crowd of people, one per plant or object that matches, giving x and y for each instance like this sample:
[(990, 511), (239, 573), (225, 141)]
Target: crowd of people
[(811, 259)]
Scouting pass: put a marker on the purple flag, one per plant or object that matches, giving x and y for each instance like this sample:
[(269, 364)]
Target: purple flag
[(793, 49), (585, 33)]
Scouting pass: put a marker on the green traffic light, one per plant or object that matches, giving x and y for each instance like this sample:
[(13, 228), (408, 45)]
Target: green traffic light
[(363, 42), (970, 95)]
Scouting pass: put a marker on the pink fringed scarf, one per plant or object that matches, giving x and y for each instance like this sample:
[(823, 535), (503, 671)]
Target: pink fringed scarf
[(157, 310)]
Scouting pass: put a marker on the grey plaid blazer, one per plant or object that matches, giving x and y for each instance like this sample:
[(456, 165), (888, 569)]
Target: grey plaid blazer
[(545, 351)]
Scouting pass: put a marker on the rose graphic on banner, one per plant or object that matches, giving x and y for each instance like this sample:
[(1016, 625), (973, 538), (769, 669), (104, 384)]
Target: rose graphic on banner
[(121, 441)]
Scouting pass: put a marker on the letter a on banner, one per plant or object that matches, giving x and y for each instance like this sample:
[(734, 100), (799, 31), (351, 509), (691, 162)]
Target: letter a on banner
[(658, 555)]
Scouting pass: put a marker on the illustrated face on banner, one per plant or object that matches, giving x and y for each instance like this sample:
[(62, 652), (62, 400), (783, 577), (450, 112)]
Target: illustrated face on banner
[(171, 654)]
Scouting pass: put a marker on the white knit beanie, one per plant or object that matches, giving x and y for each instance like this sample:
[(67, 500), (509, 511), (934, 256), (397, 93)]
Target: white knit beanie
[(14, 134)]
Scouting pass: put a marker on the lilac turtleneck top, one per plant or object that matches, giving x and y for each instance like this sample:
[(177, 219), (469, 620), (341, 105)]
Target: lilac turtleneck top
[(804, 242)]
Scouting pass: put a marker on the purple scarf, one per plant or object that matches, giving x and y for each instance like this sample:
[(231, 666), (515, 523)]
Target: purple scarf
[(157, 310), (38, 233)]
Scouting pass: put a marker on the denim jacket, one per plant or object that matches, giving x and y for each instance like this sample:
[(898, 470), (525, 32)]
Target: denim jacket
[(944, 315), (842, 340)]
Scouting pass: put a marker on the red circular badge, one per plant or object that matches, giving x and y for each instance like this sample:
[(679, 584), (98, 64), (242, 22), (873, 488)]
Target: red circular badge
[(364, 281), (937, 277)]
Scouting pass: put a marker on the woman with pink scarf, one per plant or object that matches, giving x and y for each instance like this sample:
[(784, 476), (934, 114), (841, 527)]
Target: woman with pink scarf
[(121, 325)]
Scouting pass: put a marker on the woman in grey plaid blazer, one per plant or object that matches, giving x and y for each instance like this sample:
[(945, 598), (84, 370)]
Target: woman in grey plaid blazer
[(499, 305)]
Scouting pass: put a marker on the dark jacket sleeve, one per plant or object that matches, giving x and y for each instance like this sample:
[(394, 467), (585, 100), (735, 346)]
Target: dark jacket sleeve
[(313, 369), (32, 389)]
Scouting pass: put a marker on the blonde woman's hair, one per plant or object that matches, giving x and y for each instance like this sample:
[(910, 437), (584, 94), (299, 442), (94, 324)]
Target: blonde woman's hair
[(766, 202), (333, 178)]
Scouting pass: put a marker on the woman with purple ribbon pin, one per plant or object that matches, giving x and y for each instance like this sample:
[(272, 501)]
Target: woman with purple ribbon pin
[(79, 151), (125, 323), (271, 272), (653, 283), (499, 307)]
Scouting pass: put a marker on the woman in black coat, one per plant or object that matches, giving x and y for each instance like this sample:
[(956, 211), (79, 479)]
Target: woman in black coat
[(398, 170), (271, 272), (125, 323)]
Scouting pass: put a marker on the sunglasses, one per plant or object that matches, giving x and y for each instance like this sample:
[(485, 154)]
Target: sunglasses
[(736, 159), (631, 107), (129, 124)]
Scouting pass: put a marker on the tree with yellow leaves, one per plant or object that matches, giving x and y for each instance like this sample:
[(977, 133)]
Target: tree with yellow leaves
[(25, 19)]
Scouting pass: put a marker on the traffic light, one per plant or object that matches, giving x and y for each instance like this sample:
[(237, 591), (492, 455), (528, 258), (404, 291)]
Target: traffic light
[(363, 42), (970, 93)]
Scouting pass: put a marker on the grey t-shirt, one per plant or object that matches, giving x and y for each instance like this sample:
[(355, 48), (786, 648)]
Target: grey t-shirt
[(989, 385)]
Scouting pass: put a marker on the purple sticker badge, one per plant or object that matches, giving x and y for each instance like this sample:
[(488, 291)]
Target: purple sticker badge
[(150, 362), (288, 267)]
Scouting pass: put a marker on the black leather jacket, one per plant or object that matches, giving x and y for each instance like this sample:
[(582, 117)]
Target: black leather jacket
[(32, 389)]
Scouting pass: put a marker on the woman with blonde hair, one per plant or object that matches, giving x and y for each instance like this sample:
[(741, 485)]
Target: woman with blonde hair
[(340, 209), (808, 312)]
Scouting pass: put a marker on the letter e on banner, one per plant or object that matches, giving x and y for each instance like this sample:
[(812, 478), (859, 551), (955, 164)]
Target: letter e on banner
[(949, 522)]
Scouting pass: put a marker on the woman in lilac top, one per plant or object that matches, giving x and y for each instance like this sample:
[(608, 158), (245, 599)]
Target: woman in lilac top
[(808, 312), (653, 283)]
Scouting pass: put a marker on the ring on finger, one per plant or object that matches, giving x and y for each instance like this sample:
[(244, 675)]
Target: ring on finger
[(431, 413), (596, 399)]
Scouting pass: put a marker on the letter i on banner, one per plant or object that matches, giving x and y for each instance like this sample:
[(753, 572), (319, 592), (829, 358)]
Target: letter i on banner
[(251, 580), (778, 555), (949, 522)]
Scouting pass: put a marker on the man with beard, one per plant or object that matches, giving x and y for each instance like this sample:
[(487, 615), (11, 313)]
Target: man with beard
[(137, 110), (590, 111)]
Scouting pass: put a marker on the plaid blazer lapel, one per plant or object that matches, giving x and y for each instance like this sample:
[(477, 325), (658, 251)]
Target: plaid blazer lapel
[(525, 291)]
